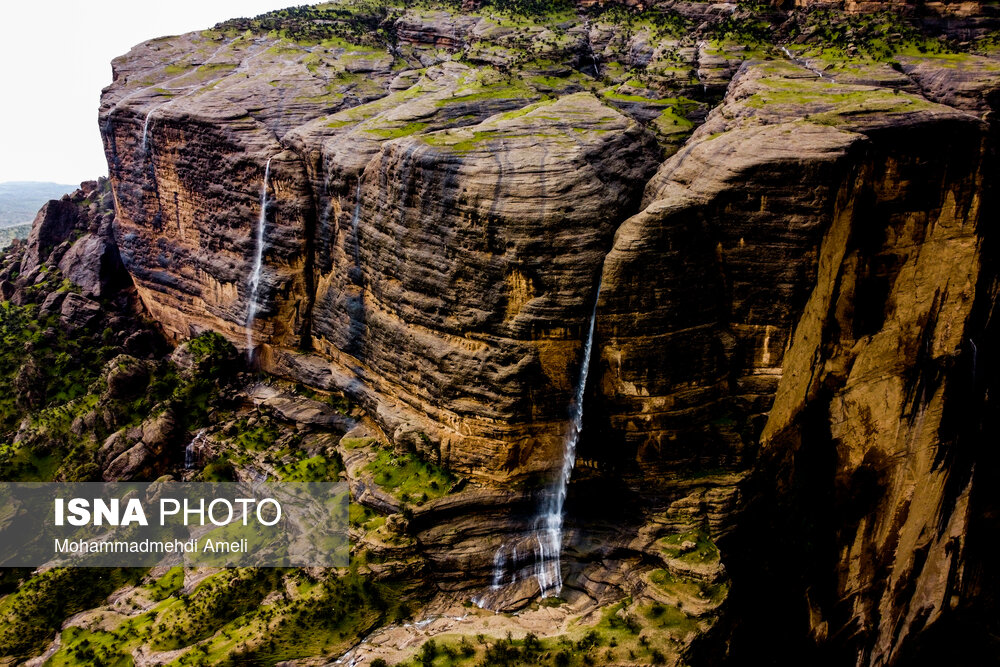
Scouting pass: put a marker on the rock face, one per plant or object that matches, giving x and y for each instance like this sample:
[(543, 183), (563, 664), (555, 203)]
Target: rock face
[(74, 235), (435, 251), (824, 281), (791, 302)]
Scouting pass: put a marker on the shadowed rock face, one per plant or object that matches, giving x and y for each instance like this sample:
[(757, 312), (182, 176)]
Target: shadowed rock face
[(800, 247), (789, 296)]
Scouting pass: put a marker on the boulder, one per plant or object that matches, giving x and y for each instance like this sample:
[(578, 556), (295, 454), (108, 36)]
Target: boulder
[(51, 227), (128, 464), (78, 311), (127, 378), (94, 265)]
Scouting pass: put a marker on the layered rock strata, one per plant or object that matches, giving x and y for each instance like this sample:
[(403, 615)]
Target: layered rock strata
[(801, 281)]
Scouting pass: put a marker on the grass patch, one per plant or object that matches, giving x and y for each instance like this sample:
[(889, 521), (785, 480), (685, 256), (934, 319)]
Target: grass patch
[(408, 477), (168, 585), (314, 469), (705, 550), (687, 587), (396, 132)]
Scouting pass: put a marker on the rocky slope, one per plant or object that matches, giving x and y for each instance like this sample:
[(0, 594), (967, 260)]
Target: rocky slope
[(776, 225)]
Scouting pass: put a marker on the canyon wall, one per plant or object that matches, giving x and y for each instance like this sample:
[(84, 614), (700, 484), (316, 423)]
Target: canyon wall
[(792, 300)]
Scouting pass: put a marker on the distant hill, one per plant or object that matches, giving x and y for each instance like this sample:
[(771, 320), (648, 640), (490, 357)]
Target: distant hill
[(8, 234), (20, 200)]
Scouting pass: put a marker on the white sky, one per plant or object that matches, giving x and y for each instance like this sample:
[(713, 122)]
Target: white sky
[(56, 57)]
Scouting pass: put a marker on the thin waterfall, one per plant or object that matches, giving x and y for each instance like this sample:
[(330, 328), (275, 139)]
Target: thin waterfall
[(354, 222), (803, 63), (548, 528), (258, 263), (590, 49), (593, 60), (145, 130), (549, 524), (190, 453)]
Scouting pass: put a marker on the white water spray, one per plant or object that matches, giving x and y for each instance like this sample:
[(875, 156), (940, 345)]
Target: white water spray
[(548, 529), (258, 263), (549, 525), (145, 130), (190, 452), (803, 63)]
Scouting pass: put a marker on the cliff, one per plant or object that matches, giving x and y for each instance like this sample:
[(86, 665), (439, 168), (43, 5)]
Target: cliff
[(775, 244)]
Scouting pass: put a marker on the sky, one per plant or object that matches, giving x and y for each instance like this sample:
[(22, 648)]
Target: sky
[(56, 57)]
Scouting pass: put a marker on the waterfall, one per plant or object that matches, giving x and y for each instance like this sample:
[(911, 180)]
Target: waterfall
[(803, 63), (145, 130), (548, 528), (354, 222), (190, 454), (549, 524), (593, 60), (258, 262), (590, 49)]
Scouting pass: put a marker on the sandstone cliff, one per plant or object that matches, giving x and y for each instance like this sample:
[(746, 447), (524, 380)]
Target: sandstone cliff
[(794, 287)]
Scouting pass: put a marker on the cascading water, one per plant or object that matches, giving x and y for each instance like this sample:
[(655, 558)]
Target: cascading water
[(145, 131), (549, 524), (354, 223), (590, 49), (548, 528), (258, 262), (803, 63), (190, 453)]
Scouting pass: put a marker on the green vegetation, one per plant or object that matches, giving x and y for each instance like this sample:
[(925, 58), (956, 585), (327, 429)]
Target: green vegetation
[(225, 596), (314, 469), (464, 141), (659, 23), (671, 123), (173, 69), (488, 83), (364, 24), (704, 551), (396, 132), (259, 437), (408, 477), (364, 518), (50, 374), (686, 587), (824, 103), (168, 585), (875, 36), (225, 623), (219, 470), (620, 636), (612, 95), (750, 24), (517, 113), (356, 443), (60, 382), (35, 611), (670, 618)]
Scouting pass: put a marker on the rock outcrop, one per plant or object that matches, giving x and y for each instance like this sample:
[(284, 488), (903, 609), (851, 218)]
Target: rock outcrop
[(423, 250), (791, 291)]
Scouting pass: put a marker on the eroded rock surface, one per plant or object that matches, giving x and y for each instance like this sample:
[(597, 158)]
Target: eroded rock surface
[(790, 288)]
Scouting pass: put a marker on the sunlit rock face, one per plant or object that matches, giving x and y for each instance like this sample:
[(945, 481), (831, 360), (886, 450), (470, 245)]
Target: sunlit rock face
[(433, 238), (793, 286)]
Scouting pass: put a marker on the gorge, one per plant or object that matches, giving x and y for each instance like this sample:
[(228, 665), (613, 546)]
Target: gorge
[(643, 332)]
